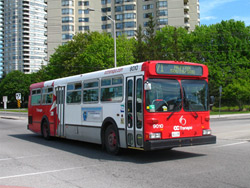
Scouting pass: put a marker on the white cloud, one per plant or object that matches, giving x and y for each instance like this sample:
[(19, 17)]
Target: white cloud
[(208, 18)]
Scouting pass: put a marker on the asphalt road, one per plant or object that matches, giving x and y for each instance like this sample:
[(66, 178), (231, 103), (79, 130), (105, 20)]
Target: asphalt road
[(27, 160)]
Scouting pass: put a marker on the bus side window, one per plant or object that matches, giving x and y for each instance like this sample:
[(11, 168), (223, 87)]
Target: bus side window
[(47, 96), (36, 97), (74, 93), (111, 89), (91, 92)]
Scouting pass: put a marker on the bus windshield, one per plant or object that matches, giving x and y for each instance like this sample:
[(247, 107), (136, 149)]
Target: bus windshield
[(195, 93), (164, 96)]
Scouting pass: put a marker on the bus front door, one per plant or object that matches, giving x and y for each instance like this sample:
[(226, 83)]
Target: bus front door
[(134, 112), (60, 103)]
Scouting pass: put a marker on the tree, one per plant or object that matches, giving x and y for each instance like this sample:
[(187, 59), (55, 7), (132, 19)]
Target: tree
[(15, 82), (140, 47), (172, 43), (88, 52), (150, 40)]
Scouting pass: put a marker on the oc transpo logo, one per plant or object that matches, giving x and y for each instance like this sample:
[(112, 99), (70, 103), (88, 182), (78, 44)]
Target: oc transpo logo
[(183, 121)]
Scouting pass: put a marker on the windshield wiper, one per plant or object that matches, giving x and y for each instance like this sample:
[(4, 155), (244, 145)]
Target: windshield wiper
[(175, 106), (186, 102)]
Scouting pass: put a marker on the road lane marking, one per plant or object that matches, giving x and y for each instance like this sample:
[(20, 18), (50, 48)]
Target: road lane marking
[(44, 172), (233, 144), (23, 157)]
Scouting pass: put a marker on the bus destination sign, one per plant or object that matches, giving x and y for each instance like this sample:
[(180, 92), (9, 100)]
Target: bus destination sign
[(174, 69)]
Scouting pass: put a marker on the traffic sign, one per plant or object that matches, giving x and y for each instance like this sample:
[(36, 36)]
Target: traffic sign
[(18, 96)]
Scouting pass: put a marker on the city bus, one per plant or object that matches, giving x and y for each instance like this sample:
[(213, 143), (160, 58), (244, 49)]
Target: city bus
[(150, 105)]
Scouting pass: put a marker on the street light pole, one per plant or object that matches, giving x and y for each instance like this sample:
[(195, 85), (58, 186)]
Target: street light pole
[(114, 32)]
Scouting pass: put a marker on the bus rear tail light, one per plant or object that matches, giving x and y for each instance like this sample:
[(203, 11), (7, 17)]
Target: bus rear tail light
[(207, 118), (154, 136), (206, 132)]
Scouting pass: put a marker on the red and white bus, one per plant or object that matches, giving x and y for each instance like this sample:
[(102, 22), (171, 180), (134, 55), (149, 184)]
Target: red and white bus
[(146, 106)]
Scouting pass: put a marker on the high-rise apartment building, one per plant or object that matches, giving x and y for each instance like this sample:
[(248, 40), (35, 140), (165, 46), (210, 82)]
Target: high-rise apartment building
[(23, 35), (1, 28), (67, 17)]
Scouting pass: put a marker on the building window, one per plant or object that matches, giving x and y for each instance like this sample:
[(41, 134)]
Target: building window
[(83, 3), (107, 26), (129, 33), (67, 36), (162, 4), (68, 11), (147, 15), (67, 28), (108, 9), (147, 7), (83, 11), (162, 13), (129, 24), (104, 2), (67, 3), (67, 19), (83, 19), (83, 28), (163, 21)]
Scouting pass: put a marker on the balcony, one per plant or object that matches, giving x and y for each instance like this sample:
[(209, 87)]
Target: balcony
[(45, 16), (45, 1), (186, 8), (45, 9), (45, 25), (45, 42), (186, 16), (45, 33), (187, 25)]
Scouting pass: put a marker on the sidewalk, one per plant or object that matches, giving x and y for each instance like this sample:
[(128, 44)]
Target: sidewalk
[(13, 115), (231, 116)]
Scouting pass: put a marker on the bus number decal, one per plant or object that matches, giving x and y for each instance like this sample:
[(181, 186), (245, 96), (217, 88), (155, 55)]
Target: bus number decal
[(133, 68)]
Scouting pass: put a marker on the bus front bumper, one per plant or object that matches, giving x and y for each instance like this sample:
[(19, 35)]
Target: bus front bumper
[(178, 142)]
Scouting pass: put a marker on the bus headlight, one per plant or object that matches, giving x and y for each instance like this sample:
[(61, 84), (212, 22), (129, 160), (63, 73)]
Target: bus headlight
[(154, 135), (206, 132)]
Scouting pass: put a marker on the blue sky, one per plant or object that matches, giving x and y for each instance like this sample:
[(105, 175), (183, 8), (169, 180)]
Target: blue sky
[(214, 11)]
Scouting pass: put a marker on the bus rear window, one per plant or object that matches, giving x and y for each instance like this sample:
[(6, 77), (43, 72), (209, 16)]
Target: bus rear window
[(36, 97)]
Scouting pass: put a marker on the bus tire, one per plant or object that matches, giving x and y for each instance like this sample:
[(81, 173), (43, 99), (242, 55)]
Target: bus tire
[(45, 130), (111, 140)]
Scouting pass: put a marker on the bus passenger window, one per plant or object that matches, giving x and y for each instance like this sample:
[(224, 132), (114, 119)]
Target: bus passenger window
[(74, 93), (112, 89), (47, 96), (91, 92), (36, 97)]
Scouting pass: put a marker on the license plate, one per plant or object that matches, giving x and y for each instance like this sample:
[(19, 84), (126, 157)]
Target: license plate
[(175, 134)]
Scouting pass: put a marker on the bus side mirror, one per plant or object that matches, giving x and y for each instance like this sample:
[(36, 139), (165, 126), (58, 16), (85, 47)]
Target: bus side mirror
[(212, 100), (147, 86)]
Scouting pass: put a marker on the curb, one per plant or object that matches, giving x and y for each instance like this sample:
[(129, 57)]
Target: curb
[(13, 118)]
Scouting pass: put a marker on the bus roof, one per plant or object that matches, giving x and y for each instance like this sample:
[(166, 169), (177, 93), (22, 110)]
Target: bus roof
[(147, 66)]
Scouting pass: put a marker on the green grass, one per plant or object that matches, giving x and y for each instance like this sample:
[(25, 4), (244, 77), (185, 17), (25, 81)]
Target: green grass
[(15, 110), (229, 112)]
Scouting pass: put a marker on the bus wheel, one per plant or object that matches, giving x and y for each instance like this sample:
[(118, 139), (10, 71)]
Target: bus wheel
[(45, 130), (112, 140)]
